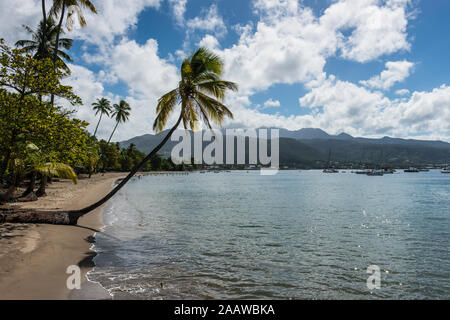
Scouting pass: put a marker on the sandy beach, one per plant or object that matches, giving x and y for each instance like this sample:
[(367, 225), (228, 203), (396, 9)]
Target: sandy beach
[(34, 258)]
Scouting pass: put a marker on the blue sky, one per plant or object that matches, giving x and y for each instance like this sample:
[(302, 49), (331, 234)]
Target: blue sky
[(366, 67)]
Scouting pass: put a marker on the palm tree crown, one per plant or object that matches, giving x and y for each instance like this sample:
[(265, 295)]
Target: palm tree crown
[(200, 79), (43, 41), (59, 6), (121, 111), (103, 107)]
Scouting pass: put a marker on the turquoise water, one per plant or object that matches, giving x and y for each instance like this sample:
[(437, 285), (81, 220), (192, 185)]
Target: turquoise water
[(295, 235)]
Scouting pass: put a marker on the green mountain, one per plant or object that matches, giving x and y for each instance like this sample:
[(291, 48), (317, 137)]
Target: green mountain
[(310, 148)]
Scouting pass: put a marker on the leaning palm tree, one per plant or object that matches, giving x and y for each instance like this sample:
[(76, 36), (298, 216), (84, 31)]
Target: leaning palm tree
[(199, 95), (43, 40), (121, 114), (101, 106)]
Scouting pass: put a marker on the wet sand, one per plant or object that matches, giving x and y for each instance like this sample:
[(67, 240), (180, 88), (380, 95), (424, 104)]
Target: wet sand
[(34, 258)]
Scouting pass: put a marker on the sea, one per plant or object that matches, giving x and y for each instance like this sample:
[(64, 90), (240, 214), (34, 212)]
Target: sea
[(293, 235)]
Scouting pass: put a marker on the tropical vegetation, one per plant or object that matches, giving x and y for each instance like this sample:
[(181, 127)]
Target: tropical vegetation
[(41, 140)]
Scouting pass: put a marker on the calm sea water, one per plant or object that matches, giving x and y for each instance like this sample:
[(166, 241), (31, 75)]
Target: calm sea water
[(295, 235)]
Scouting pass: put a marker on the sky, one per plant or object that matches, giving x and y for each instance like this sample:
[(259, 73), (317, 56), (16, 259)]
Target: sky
[(369, 68)]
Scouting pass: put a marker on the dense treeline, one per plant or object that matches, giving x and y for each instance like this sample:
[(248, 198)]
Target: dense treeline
[(113, 158)]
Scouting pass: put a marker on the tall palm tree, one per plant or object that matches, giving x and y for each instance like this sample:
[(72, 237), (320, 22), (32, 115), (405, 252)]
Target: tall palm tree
[(59, 9), (200, 95), (44, 20), (101, 106), (121, 114), (42, 43)]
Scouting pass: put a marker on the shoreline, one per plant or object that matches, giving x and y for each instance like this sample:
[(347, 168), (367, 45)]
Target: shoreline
[(34, 257)]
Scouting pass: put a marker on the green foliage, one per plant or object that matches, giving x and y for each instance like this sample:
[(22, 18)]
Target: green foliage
[(25, 76), (27, 117)]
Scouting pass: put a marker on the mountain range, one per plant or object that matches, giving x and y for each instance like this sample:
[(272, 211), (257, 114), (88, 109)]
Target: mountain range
[(314, 148)]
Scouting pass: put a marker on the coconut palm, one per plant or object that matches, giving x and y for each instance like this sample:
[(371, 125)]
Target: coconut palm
[(101, 106), (199, 95), (121, 113), (42, 43), (59, 9)]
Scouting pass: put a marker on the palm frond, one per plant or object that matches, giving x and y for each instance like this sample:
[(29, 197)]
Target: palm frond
[(55, 169), (217, 88), (166, 104)]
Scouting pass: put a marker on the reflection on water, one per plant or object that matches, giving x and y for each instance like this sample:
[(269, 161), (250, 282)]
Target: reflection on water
[(241, 235)]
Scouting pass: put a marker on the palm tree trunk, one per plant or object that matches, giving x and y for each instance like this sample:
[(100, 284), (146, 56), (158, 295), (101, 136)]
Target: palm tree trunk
[(117, 123), (55, 54), (76, 214), (44, 30), (101, 114), (41, 191), (4, 164), (31, 185), (10, 192)]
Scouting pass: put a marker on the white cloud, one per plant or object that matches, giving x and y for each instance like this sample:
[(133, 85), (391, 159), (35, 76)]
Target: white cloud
[(114, 18), (140, 67), (396, 71), (346, 105), (210, 21), (271, 103), (423, 112), (209, 42), (14, 14), (375, 28), (289, 44), (179, 9), (402, 92)]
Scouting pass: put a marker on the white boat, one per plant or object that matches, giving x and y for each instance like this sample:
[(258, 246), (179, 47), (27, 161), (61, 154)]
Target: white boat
[(446, 170), (375, 172)]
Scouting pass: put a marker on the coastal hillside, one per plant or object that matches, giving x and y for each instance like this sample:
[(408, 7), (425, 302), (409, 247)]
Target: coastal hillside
[(311, 148)]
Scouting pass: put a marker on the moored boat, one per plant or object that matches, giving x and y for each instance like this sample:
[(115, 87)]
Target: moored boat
[(375, 172), (411, 169), (446, 170)]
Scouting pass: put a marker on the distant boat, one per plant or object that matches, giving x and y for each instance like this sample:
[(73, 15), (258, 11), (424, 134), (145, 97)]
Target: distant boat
[(424, 170), (411, 169), (375, 172), (389, 171), (362, 171), (329, 169), (446, 170)]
